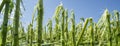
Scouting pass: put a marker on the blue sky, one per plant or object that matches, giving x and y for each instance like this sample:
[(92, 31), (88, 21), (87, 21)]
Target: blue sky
[(82, 8)]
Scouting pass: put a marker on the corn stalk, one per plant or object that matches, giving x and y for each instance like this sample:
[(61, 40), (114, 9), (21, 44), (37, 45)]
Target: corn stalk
[(39, 21), (56, 16), (109, 27), (5, 23), (2, 5), (117, 27), (62, 32), (50, 29), (16, 23), (73, 28), (66, 26), (82, 32), (92, 34)]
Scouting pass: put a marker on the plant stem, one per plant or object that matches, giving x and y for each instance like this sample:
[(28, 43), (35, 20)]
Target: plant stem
[(2, 5), (82, 32), (117, 27), (5, 23), (62, 32), (16, 23), (73, 28), (66, 27), (92, 35), (39, 22), (109, 27)]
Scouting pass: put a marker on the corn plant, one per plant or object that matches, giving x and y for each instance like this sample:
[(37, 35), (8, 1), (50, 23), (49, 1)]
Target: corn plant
[(81, 34), (30, 34), (73, 28), (117, 27), (66, 27), (57, 19), (50, 29), (16, 23), (22, 35), (62, 32), (92, 34), (45, 34), (2, 5), (5, 22), (39, 21), (105, 32), (109, 28)]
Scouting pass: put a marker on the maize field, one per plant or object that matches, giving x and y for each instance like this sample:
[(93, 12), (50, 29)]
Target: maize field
[(104, 32)]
